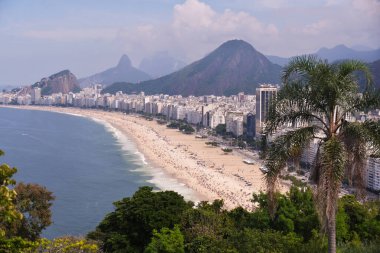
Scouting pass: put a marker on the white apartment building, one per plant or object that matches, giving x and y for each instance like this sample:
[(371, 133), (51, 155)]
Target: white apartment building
[(373, 173), (193, 116), (213, 118), (36, 95), (234, 123), (179, 112)]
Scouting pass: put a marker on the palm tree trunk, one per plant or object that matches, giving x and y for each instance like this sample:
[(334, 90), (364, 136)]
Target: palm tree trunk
[(331, 232)]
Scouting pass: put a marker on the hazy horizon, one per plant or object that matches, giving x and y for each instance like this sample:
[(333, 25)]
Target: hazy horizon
[(42, 37)]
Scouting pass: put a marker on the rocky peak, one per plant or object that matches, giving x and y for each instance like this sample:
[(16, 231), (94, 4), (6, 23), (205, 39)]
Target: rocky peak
[(124, 62)]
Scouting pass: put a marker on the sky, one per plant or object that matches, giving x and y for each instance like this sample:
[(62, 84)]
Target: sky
[(41, 37)]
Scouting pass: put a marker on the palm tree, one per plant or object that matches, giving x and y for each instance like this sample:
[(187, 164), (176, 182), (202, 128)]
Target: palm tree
[(320, 96)]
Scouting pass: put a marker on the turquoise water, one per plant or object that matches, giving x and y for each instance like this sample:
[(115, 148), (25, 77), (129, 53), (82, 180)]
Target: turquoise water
[(84, 163)]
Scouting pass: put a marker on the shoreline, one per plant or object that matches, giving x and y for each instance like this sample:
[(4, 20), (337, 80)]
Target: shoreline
[(207, 171)]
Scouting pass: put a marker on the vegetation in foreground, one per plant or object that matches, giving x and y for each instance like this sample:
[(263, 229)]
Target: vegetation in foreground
[(318, 96), (152, 221)]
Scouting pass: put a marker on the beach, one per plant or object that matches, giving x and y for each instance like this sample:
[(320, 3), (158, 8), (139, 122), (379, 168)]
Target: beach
[(207, 171)]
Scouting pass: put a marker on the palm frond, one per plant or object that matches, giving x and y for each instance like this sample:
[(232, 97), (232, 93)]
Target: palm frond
[(354, 137), (299, 65), (294, 104), (348, 67), (372, 135), (279, 153)]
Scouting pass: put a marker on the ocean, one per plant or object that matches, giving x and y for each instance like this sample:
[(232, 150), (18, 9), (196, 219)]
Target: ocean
[(87, 164)]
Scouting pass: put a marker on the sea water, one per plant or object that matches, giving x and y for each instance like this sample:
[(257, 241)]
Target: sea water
[(86, 163)]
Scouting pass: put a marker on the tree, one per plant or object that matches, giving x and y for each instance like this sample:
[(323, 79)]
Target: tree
[(319, 96), (8, 211), (220, 129), (132, 223), (207, 228), (167, 240), (69, 244), (34, 202)]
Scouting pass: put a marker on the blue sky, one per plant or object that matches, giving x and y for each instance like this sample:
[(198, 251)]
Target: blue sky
[(41, 37)]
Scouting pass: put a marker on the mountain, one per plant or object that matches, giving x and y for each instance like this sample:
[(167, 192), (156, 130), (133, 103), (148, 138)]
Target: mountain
[(6, 87), (123, 72), (61, 82), (233, 67), (340, 52), (282, 61), (375, 69), (160, 64)]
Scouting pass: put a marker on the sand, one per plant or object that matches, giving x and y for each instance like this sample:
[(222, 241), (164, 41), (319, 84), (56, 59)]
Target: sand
[(206, 170)]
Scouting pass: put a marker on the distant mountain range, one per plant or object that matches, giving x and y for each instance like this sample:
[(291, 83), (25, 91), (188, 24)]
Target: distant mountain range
[(160, 64), (123, 72), (340, 52), (233, 67)]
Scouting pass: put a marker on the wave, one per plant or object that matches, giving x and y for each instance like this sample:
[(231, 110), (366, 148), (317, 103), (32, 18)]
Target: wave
[(159, 177)]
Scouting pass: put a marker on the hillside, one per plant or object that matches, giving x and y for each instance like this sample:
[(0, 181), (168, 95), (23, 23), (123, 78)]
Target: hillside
[(160, 64), (123, 72), (337, 53), (375, 69), (61, 82), (233, 67), (341, 52)]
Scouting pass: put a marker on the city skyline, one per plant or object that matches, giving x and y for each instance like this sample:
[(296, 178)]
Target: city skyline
[(40, 37)]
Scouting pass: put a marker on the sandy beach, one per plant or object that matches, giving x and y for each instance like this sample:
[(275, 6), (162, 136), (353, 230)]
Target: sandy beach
[(204, 169)]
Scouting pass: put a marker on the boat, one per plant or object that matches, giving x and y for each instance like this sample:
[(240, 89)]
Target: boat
[(248, 161), (264, 169)]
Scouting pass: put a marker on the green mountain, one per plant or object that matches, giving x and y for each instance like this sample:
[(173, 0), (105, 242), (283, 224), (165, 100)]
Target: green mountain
[(233, 67)]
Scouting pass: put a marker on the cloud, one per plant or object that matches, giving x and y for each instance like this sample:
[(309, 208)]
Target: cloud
[(71, 34), (195, 22), (279, 27)]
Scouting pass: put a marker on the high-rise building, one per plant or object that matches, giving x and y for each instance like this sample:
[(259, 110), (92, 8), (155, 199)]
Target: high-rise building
[(36, 95), (373, 173), (250, 125), (264, 95), (234, 123)]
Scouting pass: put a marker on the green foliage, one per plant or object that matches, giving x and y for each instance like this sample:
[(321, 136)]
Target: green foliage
[(319, 95), (18, 244), (212, 143), (167, 240), (362, 220), (69, 244), (206, 228), (221, 129), (227, 150), (187, 129), (253, 240), (295, 212), (161, 121), (358, 247), (134, 219), (34, 202), (174, 125), (8, 211)]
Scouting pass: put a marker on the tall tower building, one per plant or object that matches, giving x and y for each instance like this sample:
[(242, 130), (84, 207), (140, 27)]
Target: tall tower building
[(264, 94), (36, 95), (373, 173), (250, 125)]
